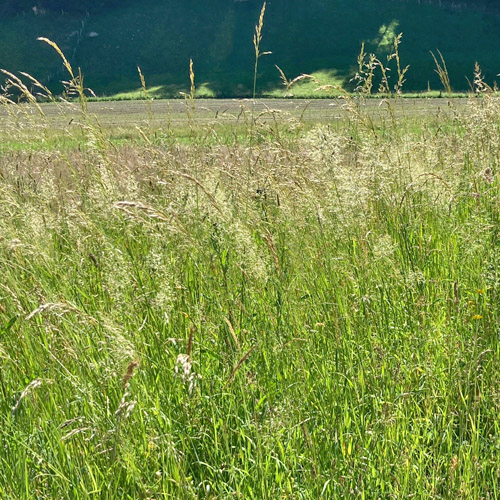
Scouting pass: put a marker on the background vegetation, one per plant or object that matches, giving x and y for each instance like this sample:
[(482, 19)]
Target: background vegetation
[(108, 40)]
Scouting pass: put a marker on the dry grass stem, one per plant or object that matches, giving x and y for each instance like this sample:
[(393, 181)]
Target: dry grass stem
[(238, 365), (232, 332)]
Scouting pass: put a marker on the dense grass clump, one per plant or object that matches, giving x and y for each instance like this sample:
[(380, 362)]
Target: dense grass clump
[(288, 312)]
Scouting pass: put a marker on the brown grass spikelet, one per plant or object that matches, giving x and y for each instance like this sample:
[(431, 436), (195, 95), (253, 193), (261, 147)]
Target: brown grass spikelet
[(130, 372), (453, 465), (238, 365), (190, 340)]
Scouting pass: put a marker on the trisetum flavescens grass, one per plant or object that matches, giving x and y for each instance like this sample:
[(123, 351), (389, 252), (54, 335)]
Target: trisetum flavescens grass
[(320, 325)]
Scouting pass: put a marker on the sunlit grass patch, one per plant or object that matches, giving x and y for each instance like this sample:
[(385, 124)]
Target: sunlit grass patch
[(311, 86), (162, 91), (138, 93)]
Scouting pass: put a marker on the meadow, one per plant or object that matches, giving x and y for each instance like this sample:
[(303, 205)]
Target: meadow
[(265, 305)]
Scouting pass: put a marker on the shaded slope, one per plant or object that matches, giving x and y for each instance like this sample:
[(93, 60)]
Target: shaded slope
[(320, 35)]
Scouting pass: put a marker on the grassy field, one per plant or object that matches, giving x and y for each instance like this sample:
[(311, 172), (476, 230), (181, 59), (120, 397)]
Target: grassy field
[(262, 306), (226, 118)]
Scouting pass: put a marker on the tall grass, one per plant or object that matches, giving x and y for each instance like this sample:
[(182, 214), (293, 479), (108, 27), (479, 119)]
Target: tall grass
[(174, 324), (257, 39), (442, 72)]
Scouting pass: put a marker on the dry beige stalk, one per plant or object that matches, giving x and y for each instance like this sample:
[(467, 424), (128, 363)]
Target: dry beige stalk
[(73, 432), (238, 366), (51, 307), (54, 45), (233, 333), (184, 365), (148, 210), (32, 385)]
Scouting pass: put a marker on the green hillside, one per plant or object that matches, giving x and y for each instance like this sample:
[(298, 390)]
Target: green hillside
[(320, 36)]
